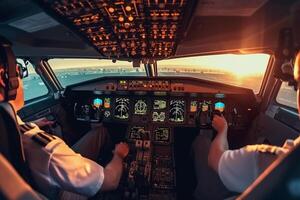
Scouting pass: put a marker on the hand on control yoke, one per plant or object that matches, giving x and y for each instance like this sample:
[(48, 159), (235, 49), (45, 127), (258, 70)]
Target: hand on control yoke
[(219, 123), (121, 150)]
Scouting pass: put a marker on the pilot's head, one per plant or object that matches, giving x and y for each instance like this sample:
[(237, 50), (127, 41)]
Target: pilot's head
[(297, 78), (18, 103), (2, 75)]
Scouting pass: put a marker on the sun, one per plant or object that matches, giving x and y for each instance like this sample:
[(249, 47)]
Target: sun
[(239, 65), (245, 65)]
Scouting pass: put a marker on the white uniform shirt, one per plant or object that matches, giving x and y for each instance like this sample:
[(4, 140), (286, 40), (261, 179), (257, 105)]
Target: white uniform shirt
[(54, 165), (239, 168)]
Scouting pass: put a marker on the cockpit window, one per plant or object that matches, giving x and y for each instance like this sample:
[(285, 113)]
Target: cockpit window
[(239, 70), (71, 71)]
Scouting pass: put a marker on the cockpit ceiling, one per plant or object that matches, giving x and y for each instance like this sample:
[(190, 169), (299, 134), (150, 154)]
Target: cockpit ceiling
[(126, 29)]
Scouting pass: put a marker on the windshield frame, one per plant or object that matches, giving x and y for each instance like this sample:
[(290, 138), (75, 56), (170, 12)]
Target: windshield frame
[(237, 52), (266, 73)]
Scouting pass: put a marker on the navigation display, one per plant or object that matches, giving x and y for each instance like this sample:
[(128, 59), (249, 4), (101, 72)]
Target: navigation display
[(107, 103), (220, 106), (205, 114), (177, 110), (90, 113), (193, 106), (159, 104), (162, 135), (122, 108), (205, 106), (136, 133), (158, 116), (97, 103), (140, 107)]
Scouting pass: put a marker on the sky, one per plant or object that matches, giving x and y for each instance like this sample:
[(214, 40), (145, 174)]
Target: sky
[(241, 65)]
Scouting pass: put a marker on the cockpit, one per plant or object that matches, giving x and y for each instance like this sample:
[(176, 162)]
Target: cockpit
[(154, 73)]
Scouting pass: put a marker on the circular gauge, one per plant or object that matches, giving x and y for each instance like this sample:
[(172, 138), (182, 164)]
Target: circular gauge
[(122, 108), (176, 111), (140, 107)]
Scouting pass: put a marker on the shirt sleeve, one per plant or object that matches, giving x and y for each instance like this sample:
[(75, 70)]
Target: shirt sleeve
[(238, 168), (72, 171)]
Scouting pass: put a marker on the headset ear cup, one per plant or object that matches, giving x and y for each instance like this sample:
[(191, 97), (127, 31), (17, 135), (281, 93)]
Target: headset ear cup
[(3, 78)]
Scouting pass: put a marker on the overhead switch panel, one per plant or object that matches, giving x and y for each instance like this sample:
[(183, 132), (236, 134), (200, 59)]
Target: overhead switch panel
[(125, 29)]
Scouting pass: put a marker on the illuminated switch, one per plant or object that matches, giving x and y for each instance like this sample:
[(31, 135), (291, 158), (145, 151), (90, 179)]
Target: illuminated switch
[(147, 144), (121, 19), (130, 18), (128, 8), (139, 144), (111, 9)]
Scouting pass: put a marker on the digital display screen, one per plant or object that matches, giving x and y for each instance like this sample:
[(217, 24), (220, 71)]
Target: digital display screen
[(106, 102), (90, 113), (136, 133), (193, 106), (162, 135), (158, 116), (220, 106), (122, 108), (140, 107), (177, 110), (159, 104), (205, 106), (97, 103)]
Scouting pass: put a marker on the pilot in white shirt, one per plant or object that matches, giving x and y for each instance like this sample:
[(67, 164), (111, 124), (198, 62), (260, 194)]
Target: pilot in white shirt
[(55, 166), (239, 168)]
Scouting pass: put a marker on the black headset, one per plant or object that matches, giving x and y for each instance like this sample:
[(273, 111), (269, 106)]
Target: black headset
[(10, 76)]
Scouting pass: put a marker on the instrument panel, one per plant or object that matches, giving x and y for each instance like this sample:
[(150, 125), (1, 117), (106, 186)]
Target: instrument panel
[(174, 107), (151, 110)]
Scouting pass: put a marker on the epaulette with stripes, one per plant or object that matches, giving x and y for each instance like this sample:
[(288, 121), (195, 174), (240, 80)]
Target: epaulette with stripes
[(264, 148), (42, 138), (25, 127)]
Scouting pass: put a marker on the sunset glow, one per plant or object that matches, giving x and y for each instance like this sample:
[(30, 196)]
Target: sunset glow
[(239, 70), (239, 65)]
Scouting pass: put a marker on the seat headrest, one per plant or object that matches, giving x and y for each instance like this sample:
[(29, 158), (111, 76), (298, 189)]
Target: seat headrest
[(297, 67)]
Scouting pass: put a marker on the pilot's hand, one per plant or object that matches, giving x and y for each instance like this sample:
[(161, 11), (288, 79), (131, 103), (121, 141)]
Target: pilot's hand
[(42, 122), (121, 150), (219, 123)]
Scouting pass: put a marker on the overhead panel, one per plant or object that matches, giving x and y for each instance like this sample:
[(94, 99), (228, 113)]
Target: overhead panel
[(133, 29)]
